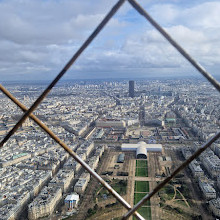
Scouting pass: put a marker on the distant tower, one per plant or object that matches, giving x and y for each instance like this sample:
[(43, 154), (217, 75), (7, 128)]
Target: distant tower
[(142, 115), (131, 88)]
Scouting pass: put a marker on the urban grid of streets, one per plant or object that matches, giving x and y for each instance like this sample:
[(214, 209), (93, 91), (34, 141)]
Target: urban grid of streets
[(34, 170)]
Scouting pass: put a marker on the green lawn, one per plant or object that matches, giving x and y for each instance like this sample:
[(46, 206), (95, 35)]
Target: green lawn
[(141, 163), (180, 202), (167, 192), (145, 212), (141, 171), (141, 168), (138, 197), (120, 186), (141, 186)]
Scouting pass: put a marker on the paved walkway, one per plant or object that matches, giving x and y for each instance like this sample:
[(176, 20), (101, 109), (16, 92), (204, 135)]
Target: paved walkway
[(140, 178), (131, 183)]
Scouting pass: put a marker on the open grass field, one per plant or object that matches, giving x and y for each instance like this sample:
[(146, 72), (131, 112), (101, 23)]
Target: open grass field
[(167, 192), (120, 186), (141, 186), (141, 189), (141, 172), (141, 163), (138, 197), (141, 168), (145, 212)]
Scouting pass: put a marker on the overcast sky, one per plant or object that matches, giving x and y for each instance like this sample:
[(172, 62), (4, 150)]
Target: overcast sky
[(37, 37)]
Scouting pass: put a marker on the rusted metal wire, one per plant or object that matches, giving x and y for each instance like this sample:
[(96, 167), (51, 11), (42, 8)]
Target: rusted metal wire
[(63, 71), (28, 112), (198, 66), (164, 182), (68, 150)]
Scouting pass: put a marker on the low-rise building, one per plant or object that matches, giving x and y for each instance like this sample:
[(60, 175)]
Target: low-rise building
[(214, 206), (93, 162), (99, 151), (63, 179), (196, 169), (80, 186), (186, 152), (212, 165), (104, 122), (71, 201), (45, 203), (82, 183), (207, 190), (142, 148)]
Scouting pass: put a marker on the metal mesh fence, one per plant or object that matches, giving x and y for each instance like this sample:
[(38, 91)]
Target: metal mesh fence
[(28, 112)]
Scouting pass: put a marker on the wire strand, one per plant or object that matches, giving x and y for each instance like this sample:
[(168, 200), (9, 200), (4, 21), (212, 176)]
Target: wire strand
[(28, 112)]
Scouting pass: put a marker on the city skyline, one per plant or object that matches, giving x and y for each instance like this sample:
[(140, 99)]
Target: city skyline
[(166, 121)]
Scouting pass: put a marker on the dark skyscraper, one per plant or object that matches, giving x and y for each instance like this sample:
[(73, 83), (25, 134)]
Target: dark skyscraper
[(131, 88)]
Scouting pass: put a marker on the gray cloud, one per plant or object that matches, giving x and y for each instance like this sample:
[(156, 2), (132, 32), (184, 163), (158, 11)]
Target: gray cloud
[(38, 37)]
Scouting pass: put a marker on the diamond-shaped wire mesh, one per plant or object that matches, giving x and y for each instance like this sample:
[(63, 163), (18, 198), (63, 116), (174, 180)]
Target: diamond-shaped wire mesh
[(28, 112)]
